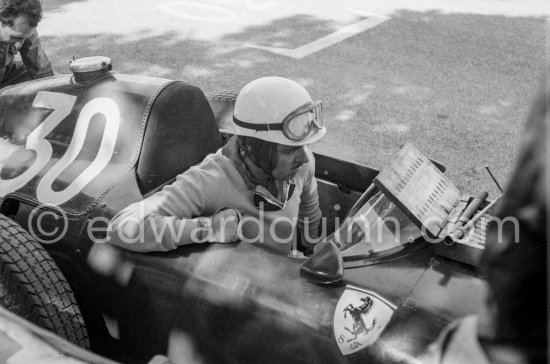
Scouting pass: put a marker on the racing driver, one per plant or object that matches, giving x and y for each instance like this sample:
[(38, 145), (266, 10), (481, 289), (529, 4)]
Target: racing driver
[(259, 187)]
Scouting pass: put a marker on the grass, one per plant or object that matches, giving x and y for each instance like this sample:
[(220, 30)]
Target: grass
[(457, 85)]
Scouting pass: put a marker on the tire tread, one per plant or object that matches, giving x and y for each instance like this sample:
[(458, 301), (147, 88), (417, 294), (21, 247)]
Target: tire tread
[(33, 278)]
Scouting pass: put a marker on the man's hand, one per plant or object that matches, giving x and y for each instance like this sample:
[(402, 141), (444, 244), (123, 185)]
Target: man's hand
[(222, 227)]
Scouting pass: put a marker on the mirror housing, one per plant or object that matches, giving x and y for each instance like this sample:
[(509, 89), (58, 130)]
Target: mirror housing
[(325, 266)]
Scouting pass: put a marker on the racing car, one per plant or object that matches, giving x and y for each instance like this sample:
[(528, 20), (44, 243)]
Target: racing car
[(75, 149)]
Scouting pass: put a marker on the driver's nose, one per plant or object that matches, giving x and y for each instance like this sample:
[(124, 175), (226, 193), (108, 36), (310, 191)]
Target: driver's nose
[(301, 156)]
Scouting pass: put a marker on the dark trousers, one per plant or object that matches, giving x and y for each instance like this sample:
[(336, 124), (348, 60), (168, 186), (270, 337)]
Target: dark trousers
[(15, 73)]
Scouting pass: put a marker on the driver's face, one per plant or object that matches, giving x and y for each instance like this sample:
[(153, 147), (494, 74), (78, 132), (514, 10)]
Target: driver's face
[(289, 160), (16, 33)]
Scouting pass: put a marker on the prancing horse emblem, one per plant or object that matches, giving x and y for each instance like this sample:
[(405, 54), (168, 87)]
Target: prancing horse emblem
[(359, 325), (360, 318)]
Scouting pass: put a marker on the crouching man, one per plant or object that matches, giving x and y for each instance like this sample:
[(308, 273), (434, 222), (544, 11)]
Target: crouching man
[(18, 21)]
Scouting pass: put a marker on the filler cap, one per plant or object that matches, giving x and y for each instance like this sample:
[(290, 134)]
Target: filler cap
[(90, 68)]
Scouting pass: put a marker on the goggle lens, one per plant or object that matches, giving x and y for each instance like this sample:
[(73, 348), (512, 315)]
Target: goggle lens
[(299, 124)]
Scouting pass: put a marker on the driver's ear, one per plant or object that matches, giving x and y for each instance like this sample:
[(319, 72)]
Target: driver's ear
[(242, 147)]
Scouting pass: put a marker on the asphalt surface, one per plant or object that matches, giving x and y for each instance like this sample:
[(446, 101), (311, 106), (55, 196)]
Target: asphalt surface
[(456, 80)]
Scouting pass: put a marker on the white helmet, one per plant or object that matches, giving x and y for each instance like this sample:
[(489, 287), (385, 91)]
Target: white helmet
[(278, 110)]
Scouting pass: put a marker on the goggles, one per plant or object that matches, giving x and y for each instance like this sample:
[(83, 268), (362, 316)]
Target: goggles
[(297, 125), (265, 201)]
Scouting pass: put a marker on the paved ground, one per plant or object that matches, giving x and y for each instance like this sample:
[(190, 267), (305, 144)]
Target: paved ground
[(455, 79)]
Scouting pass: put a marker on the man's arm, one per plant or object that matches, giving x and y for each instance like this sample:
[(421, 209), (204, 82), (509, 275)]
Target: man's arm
[(309, 215), (163, 220), (34, 58)]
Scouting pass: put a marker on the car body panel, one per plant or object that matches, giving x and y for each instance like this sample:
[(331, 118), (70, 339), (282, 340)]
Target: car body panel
[(449, 289), (82, 155), (394, 280), (26, 106), (247, 303)]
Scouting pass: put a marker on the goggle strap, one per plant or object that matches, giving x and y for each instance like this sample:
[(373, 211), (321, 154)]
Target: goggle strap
[(307, 107), (258, 127)]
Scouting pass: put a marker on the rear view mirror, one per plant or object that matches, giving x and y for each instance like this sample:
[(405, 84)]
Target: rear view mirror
[(325, 266)]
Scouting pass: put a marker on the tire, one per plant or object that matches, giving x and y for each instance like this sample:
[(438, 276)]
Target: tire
[(33, 287)]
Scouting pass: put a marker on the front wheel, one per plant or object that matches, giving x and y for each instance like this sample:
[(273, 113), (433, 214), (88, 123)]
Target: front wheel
[(33, 287)]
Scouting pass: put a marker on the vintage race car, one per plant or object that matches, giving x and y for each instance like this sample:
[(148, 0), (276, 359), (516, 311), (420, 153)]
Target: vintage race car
[(76, 149)]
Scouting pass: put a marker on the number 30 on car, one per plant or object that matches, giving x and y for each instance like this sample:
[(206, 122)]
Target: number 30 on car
[(62, 104)]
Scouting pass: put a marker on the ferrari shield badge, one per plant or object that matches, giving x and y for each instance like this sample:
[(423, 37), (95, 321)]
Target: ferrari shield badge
[(360, 318)]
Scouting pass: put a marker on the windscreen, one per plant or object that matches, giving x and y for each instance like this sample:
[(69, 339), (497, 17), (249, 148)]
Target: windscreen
[(377, 226)]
